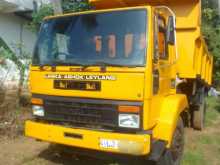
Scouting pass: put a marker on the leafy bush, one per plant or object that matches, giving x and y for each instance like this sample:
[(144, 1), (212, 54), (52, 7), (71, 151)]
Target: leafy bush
[(44, 10), (211, 31), (75, 6)]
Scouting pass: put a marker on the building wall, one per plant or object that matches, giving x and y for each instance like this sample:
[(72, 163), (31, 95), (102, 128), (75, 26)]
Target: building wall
[(28, 4), (17, 5), (13, 30)]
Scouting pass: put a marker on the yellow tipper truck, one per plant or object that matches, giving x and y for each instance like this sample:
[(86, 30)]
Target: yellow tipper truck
[(123, 79)]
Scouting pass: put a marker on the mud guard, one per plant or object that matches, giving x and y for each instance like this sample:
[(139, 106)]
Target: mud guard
[(171, 109)]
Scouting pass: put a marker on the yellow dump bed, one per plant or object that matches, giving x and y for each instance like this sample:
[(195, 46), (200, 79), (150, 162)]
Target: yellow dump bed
[(194, 60)]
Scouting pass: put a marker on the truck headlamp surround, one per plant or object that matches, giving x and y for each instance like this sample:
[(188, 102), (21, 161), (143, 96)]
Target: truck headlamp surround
[(38, 110), (37, 101), (129, 120)]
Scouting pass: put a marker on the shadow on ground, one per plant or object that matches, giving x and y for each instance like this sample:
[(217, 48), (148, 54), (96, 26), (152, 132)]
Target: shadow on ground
[(56, 155), (53, 154)]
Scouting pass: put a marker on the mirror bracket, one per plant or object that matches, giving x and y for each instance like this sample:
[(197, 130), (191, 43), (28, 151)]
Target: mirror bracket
[(171, 31)]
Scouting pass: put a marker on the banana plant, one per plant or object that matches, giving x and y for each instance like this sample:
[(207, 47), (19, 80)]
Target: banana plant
[(21, 61)]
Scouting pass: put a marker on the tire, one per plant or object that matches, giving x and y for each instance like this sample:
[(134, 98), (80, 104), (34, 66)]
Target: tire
[(173, 156), (199, 115)]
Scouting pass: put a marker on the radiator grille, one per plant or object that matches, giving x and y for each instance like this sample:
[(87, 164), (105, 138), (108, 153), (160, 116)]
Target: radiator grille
[(82, 113)]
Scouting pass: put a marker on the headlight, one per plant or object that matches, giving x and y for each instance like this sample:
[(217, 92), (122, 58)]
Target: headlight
[(38, 110), (129, 120)]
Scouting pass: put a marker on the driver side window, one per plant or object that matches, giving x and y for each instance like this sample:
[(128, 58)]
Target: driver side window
[(161, 46)]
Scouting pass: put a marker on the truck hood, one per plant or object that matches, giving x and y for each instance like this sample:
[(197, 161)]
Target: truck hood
[(115, 85)]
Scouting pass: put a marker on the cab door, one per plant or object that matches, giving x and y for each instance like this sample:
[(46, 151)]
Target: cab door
[(162, 67), (162, 61)]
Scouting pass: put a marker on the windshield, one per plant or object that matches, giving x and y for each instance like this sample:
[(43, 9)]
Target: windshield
[(111, 38)]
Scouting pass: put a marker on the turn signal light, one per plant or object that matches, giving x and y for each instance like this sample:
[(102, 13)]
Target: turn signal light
[(37, 101), (129, 109)]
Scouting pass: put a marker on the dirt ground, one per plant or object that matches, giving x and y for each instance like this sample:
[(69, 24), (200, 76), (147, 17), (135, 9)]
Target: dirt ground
[(26, 151)]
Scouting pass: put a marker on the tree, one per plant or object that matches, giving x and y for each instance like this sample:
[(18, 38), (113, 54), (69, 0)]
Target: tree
[(38, 16), (75, 6), (211, 31), (69, 6)]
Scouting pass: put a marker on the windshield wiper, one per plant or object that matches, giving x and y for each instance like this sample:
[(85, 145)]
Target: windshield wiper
[(52, 66), (82, 66), (102, 63), (56, 63), (65, 63)]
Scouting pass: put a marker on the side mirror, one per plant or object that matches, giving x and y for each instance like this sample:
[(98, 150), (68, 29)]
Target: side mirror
[(170, 36)]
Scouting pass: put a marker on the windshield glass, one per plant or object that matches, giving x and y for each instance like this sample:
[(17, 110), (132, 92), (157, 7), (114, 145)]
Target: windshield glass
[(111, 38)]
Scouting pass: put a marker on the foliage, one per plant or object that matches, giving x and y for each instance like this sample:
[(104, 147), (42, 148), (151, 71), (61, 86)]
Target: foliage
[(7, 53), (21, 59), (211, 30), (44, 10), (68, 6), (203, 148), (75, 6)]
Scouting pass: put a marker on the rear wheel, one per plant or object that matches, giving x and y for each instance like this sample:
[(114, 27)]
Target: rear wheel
[(174, 155), (199, 114)]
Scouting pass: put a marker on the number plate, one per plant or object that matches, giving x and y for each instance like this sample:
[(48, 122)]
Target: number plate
[(109, 144)]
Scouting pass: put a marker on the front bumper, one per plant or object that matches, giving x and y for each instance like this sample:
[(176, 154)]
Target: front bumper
[(131, 144)]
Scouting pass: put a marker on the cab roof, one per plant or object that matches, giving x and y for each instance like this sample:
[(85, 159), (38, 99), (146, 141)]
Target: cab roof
[(188, 12)]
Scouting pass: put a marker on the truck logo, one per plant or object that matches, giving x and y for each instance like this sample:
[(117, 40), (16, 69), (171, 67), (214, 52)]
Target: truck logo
[(80, 77)]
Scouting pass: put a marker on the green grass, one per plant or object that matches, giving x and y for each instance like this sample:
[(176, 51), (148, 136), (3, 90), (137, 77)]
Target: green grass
[(213, 111), (193, 158), (203, 148), (205, 139)]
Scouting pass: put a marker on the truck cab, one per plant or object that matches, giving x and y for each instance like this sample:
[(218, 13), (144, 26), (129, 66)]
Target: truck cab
[(108, 80)]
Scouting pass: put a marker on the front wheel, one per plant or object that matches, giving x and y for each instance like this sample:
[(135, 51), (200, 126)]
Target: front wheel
[(173, 156)]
